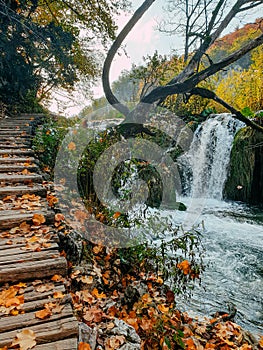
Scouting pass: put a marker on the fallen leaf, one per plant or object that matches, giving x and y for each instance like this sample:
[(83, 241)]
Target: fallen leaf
[(84, 346), (116, 215), (26, 339), (185, 267), (43, 314), (72, 146), (59, 217), (58, 295), (57, 278), (38, 219), (98, 295)]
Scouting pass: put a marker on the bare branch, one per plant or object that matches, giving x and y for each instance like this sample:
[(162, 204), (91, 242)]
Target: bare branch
[(114, 48)]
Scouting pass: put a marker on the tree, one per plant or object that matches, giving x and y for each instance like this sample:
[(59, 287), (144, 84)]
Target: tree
[(188, 80), (46, 44), (189, 18)]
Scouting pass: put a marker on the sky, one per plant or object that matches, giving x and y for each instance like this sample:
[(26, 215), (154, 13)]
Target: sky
[(143, 40)]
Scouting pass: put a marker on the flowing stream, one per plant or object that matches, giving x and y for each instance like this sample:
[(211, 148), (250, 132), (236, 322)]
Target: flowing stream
[(233, 236)]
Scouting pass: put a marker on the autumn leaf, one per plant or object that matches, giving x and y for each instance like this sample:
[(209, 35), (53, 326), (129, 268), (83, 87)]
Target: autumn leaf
[(72, 146), (98, 295), (114, 342), (58, 295), (25, 227), (116, 215), (59, 217), (43, 314), (163, 308), (84, 346), (38, 219), (57, 278), (185, 267), (25, 339), (261, 342)]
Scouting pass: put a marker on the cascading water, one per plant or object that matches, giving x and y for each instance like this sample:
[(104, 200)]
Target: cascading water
[(233, 232), (204, 167)]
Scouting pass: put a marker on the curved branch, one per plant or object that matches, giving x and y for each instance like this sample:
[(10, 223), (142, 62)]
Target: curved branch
[(238, 115), (186, 86), (112, 99)]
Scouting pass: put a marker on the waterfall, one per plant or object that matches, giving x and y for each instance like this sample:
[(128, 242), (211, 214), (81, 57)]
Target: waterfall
[(204, 167)]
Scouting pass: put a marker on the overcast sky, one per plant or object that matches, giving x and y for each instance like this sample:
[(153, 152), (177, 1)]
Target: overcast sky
[(143, 40)]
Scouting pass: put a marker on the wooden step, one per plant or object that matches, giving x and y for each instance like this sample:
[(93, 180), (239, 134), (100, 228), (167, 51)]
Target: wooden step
[(13, 218), (19, 152), (13, 132), (58, 332), (13, 146), (13, 178), (4, 168), (34, 268), (20, 190), (15, 160)]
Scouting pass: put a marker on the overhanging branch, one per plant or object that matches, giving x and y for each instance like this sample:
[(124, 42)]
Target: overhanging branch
[(237, 114)]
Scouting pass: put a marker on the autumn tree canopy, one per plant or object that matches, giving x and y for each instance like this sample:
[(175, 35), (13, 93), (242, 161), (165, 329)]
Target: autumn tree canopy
[(199, 66), (46, 44)]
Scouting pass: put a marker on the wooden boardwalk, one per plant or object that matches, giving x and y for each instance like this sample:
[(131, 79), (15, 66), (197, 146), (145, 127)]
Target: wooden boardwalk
[(33, 298)]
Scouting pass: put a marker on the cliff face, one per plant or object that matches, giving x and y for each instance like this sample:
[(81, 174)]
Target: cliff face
[(245, 180)]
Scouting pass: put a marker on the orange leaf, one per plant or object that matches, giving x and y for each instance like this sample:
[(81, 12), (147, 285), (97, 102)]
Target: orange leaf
[(116, 215), (261, 342), (38, 219), (57, 278), (24, 227), (42, 314), (96, 294), (72, 146), (184, 266), (25, 339), (163, 308), (58, 295), (59, 217), (84, 346)]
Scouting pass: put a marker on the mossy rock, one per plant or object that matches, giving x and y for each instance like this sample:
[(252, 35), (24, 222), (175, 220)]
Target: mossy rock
[(245, 179)]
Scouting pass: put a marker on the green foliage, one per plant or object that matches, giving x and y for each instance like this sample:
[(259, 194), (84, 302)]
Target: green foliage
[(42, 45), (48, 138), (170, 247)]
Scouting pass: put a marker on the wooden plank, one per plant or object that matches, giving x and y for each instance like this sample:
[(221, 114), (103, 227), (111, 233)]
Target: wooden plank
[(51, 331), (20, 241), (68, 344), (20, 190), (33, 269), (12, 160), (14, 219), (29, 256), (16, 168), (17, 151), (29, 319), (13, 145), (13, 178)]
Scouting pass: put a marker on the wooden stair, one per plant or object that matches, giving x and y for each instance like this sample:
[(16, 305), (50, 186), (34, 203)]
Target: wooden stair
[(30, 259)]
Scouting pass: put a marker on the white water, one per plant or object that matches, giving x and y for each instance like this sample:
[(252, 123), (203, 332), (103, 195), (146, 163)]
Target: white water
[(233, 235), (205, 164)]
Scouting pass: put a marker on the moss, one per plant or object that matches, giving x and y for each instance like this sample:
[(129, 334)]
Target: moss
[(245, 180)]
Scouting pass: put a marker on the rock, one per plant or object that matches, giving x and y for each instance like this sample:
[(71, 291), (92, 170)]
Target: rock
[(88, 335), (72, 245), (122, 328)]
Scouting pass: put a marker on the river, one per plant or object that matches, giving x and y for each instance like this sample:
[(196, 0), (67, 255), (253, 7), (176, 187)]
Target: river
[(233, 235)]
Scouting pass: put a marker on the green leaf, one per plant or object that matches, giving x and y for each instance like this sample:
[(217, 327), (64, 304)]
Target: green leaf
[(247, 112)]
